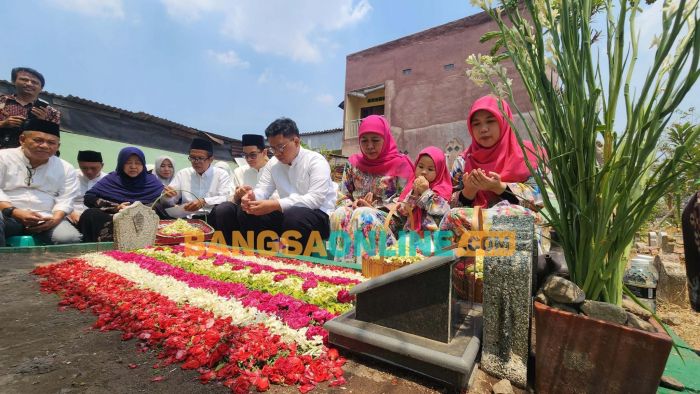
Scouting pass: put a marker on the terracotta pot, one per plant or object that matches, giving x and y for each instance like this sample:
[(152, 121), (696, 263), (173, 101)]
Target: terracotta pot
[(577, 354)]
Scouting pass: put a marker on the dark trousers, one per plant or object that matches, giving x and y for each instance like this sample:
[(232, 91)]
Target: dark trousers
[(229, 217)]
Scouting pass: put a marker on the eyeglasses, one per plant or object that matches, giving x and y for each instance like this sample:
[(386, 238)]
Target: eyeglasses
[(278, 150), (251, 156), (193, 159), (30, 174)]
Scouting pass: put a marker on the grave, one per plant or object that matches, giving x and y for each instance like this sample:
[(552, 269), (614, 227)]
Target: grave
[(135, 227), (413, 318)]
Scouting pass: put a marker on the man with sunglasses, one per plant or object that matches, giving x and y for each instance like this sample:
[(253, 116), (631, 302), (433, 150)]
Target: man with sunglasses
[(202, 186), (255, 155), (303, 180), (37, 188)]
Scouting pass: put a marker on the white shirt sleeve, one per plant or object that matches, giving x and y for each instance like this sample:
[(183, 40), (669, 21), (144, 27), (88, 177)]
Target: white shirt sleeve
[(3, 173), (266, 185), (70, 189), (222, 190), (176, 184), (319, 183)]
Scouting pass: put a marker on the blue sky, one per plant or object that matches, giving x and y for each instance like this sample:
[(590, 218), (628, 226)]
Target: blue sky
[(224, 66)]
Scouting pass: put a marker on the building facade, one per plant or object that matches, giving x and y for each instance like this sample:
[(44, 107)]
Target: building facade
[(418, 83), (324, 140)]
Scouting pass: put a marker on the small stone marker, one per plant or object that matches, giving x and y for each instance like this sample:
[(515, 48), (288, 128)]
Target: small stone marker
[(672, 286), (653, 240), (507, 303), (668, 244), (135, 227)]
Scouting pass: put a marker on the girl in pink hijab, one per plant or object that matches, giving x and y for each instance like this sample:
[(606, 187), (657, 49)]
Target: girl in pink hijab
[(372, 180), (427, 195)]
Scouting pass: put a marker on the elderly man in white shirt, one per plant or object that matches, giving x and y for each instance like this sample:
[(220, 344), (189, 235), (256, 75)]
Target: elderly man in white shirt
[(90, 164), (204, 185), (36, 187), (306, 194)]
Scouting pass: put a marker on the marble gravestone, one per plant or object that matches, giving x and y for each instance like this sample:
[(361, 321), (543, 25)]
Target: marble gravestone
[(507, 303), (135, 227), (413, 318)]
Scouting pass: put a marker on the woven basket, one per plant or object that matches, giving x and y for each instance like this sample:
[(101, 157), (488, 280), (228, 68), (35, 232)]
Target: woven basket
[(174, 239), (465, 283), (375, 266)]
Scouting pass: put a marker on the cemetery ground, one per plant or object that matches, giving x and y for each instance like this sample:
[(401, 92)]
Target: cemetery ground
[(44, 350)]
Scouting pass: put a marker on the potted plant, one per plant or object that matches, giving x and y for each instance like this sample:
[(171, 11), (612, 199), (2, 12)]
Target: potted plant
[(579, 82)]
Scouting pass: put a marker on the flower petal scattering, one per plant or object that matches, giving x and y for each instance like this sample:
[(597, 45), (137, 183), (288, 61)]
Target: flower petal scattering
[(244, 321)]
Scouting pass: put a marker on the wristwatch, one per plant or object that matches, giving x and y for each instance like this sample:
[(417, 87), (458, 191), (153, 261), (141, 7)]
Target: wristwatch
[(7, 212)]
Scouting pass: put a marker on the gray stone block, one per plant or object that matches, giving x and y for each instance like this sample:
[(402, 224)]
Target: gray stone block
[(507, 303), (652, 239), (604, 311), (672, 286), (560, 290), (668, 243)]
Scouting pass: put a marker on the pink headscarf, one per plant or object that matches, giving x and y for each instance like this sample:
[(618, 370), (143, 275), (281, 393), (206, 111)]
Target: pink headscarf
[(442, 184), (390, 161), (505, 157)]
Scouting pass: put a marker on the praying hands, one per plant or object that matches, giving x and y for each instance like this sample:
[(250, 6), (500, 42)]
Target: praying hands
[(479, 180)]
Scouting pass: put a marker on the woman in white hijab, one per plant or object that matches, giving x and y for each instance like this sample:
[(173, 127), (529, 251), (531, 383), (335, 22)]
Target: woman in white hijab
[(165, 169)]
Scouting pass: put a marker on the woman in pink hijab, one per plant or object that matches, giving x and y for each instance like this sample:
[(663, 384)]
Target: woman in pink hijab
[(371, 182), (493, 169)]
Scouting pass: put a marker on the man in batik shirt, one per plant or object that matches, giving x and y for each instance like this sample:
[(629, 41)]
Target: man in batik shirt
[(23, 104)]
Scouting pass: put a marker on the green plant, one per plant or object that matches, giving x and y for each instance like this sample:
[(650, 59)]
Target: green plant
[(688, 182), (600, 202)]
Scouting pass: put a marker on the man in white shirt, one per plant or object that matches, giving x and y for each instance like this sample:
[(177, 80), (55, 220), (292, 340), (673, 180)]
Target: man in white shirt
[(204, 185), (36, 187), (303, 180), (90, 164)]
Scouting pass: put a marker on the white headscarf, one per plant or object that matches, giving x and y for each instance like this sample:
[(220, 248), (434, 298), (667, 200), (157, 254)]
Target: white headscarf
[(156, 171)]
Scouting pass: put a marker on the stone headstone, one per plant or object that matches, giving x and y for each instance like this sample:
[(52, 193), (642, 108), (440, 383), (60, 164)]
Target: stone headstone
[(672, 286), (135, 227), (668, 243), (507, 302), (413, 318), (653, 240)]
